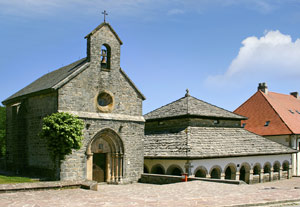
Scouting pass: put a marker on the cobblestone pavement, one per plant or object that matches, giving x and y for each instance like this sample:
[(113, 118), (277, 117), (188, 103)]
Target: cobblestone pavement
[(196, 193)]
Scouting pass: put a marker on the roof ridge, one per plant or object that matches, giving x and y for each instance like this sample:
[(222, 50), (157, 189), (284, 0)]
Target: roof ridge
[(165, 105), (218, 107)]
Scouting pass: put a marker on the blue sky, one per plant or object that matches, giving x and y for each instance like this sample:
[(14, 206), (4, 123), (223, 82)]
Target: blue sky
[(219, 49)]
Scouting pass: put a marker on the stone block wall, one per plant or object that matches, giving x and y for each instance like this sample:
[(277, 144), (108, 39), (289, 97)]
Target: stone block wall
[(181, 123), (27, 152), (74, 166)]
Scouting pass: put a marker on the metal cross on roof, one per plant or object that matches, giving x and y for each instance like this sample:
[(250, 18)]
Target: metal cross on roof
[(104, 13)]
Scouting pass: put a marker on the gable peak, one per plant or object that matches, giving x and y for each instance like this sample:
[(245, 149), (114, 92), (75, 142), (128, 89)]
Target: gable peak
[(102, 25)]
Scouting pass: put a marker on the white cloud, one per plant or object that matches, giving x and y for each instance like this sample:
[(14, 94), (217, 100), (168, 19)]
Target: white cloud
[(272, 56), (175, 11)]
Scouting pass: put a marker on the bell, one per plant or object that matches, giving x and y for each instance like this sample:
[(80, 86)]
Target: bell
[(103, 53), (103, 61)]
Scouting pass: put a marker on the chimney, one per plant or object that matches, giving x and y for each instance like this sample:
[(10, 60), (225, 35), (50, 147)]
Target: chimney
[(295, 94), (263, 87)]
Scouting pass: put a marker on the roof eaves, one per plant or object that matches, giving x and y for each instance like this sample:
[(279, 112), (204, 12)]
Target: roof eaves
[(131, 82), (22, 97), (71, 76)]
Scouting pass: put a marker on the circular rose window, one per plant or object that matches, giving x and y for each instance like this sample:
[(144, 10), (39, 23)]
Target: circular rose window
[(105, 101)]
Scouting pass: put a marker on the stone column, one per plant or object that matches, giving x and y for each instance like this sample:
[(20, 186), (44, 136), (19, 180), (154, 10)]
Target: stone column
[(237, 176), (271, 174), (251, 176), (290, 172), (116, 167), (89, 166), (112, 167), (261, 176), (121, 168), (280, 173), (207, 176), (222, 176), (108, 167)]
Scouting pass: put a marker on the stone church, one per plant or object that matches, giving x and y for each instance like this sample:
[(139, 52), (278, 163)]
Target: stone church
[(98, 91), (187, 135)]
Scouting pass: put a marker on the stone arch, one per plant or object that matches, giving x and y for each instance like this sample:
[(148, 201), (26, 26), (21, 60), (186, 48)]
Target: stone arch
[(230, 171), (158, 169), (285, 165), (267, 167), (215, 172), (174, 170), (245, 172), (276, 166), (257, 169), (200, 172), (105, 153), (146, 169), (105, 56)]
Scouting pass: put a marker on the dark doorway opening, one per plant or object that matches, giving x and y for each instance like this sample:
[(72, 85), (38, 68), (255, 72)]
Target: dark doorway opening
[(99, 167)]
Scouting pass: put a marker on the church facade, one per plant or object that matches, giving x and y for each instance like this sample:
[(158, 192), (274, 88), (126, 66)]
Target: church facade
[(186, 136), (98, 91)]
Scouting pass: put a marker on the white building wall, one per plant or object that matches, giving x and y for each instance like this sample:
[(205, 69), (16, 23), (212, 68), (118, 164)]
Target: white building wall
[(209, 164)]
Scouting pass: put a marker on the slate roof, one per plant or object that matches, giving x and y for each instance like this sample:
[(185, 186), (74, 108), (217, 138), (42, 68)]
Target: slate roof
[(190, 105), (49, 80), (209, 142), (272, 107)]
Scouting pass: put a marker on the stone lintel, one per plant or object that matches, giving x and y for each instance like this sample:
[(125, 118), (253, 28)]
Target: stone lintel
[(118, 117)]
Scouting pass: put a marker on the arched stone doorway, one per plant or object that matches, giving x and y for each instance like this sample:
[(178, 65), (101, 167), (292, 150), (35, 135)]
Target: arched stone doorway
[(105, 157), (215, 172), (230, 172), (158, 169), (201, 172), (245, 173), (174, 170)]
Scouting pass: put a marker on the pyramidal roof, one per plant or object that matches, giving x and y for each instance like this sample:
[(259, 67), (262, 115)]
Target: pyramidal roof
[(191, 106)]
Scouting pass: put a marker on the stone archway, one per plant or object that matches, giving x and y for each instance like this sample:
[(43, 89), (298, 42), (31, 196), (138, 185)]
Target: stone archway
[(245, 173), (105, 157)]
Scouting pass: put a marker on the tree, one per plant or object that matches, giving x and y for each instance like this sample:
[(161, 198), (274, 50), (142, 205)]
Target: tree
[(2, 130), (63, 132)]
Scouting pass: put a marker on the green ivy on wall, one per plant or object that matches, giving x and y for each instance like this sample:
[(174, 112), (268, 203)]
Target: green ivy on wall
[(63, 133)]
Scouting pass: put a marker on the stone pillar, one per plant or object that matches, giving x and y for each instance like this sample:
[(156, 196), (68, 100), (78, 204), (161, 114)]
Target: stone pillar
[(207, 176), (222, 176), (251, 176), (237, 176), (116, 167), (89, 166), (290, 172), (121, 168), (112, 167), (261, 176), (108, 167), (271, 174), (280, 173)]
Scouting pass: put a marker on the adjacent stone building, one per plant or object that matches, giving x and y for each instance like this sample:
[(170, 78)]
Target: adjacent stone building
[(192, 136), (98, 91)]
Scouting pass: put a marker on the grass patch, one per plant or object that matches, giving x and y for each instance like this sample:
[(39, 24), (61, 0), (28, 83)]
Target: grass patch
[(13, 179)]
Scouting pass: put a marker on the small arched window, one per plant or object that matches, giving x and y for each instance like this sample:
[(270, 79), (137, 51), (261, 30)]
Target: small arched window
[(105, 57)]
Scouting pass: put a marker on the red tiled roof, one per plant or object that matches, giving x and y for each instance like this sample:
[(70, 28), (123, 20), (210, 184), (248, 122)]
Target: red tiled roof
[(273, 107)]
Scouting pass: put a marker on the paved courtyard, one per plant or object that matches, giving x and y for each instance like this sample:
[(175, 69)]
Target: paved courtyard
[(194, 193)]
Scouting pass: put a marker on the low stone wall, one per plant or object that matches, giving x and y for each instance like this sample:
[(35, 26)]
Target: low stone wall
[(255, 179), (168, 179), (6, 188)]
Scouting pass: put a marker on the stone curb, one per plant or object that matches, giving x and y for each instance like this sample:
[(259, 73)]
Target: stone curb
[(266, 203), (90, 185)]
